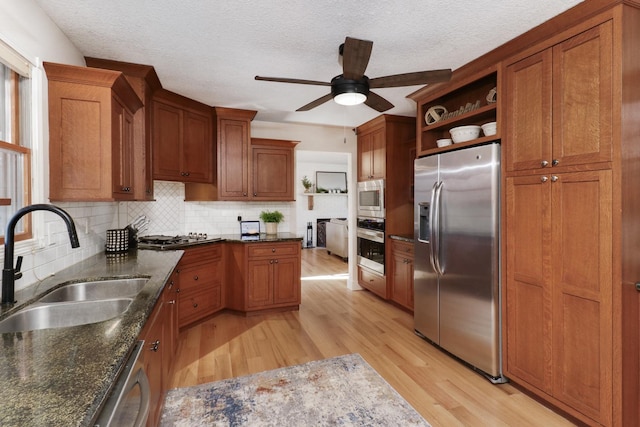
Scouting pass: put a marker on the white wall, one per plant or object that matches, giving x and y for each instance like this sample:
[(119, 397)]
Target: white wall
[(30, 32)]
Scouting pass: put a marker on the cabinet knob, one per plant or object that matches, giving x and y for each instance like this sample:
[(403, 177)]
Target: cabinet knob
[(638, 286), (544, 179), (270, 261), (154, 345), (555, 162), (195, 305), (273, 250), (178, 291), (172, 301), (244, 194), (554, 178), (255, 194), (544, 163), (275, 261), (195, 277)]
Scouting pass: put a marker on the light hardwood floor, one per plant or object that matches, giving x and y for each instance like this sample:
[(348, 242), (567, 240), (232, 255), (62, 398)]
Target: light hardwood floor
[(333, 321)]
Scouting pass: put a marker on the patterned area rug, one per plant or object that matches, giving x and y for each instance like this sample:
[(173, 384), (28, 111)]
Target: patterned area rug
[(341, 391)]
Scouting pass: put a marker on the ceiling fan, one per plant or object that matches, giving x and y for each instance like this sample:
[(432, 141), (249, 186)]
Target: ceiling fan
[(352, 86)]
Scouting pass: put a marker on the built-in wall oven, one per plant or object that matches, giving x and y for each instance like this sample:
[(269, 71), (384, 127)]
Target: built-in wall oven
[(371, 198), (370, 234)]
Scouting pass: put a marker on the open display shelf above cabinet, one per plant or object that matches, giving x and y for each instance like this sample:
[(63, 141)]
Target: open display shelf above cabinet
[(453, 97)]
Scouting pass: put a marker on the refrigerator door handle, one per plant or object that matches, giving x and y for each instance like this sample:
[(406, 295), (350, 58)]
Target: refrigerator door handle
[(432, 227), (435, 244)]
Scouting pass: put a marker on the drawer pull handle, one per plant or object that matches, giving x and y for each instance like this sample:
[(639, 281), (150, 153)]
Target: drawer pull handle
[(172, 301), (154, 345)]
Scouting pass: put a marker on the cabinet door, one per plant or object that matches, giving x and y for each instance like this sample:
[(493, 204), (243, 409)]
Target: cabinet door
[(286, 281), (371, 155), (152, 359), (197, 148), (378, 154), (260, 283), (582, 274), (528, 128), (401, 272), (528, 283), (233, 159), (272, 173), (122, 151), (582, 97), (167, 141)]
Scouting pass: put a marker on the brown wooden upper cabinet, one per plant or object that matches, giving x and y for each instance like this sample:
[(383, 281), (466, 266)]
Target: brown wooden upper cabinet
[(183, 144), (91, 134), (249, 169), (372, 155), (560, 103), (144, 81)]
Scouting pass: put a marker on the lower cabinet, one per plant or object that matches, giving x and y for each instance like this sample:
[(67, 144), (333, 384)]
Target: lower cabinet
[(374, 282), (160, 340), (264, 276), (401, 273), (201, 272)]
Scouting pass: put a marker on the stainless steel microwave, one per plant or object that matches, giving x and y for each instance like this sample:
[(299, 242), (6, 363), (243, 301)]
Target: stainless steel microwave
[(371, 198)]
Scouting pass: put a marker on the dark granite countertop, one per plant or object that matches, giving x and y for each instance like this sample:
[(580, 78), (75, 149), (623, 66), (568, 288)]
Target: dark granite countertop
[(231, 238), (404, 238), (60, 377)]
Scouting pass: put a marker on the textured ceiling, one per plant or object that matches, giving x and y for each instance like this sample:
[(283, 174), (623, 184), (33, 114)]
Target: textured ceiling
[(210, 50)]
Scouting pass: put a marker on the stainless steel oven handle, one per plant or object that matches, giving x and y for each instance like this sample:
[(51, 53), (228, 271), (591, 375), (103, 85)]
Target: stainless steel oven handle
[(145, 397), (376, 236)]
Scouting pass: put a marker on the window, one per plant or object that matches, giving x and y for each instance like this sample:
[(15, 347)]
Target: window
[(15, 140)]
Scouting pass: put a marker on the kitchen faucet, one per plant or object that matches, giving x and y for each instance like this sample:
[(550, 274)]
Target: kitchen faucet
[(11, 274)]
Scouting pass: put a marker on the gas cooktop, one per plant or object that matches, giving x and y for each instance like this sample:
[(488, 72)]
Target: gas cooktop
[(163, 242)]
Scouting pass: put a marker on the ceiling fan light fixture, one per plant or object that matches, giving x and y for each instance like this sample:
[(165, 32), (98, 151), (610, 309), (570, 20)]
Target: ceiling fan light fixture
[(349, 92), (350, 98)]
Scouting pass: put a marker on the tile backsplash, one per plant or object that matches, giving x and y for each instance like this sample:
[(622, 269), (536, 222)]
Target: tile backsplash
[(170, 214)]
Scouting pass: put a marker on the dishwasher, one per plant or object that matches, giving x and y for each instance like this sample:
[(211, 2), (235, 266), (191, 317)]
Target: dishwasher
[(129, 400)]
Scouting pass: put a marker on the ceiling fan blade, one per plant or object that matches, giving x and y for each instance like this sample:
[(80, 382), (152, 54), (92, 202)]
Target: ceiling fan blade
[(411, 79), (355, 57), (314, 104), (298, 81), (377, 102)]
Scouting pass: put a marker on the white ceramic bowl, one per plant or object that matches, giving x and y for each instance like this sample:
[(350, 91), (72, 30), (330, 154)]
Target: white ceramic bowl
[(443, 142), (464, 133), (489, 128)]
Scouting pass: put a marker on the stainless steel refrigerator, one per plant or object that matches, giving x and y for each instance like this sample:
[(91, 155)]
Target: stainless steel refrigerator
[(457, 264)]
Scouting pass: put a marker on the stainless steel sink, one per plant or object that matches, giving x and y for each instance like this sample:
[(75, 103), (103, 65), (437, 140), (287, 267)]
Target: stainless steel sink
[(64, 314), (97, 290)]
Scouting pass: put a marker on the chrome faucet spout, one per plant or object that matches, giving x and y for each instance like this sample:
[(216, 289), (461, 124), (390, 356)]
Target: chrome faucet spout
[(9, 273)]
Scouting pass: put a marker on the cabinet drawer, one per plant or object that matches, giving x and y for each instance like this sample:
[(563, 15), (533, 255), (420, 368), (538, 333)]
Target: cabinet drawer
[(200, 254), (373, 282), (200, 276), (402, 248), (196, 304), (270, 250)]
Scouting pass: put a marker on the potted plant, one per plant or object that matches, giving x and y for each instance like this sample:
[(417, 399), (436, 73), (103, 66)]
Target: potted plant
[(306, 183), (271, 220)]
